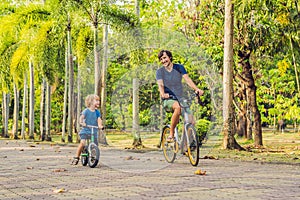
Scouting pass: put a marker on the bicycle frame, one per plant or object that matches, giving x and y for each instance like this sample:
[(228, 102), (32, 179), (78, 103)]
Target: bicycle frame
[(92, 133), (178, 139), (188, 142), (91, 153), (185, 123)]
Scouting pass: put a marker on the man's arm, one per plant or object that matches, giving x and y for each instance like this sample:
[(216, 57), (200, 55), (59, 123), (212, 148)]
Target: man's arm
[(161, 88), (192, 85)]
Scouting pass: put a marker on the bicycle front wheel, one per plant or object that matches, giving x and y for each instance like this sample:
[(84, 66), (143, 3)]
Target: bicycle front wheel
[(84, 156), (94, 155), (193, 145), (169, 149)]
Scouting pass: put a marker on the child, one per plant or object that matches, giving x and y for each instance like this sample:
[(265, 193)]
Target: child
[(89, 116)]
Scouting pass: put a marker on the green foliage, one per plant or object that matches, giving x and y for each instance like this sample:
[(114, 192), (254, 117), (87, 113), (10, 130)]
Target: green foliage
[(118, 18), (145, 117), (202, 126), (269, 29), (84, 44), (276, 91)]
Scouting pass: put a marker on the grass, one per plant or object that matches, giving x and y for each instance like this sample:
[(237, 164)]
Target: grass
[(277, 147)]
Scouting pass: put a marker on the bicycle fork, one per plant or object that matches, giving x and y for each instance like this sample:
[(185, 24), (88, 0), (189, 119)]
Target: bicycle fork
[(185, 140), (162, 135), (84, 151), (176, 142)]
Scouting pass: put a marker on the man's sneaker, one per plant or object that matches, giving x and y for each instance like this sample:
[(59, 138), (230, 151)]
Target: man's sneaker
[(170, 139)]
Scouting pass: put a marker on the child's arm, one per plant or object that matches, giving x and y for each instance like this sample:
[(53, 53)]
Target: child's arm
[(100, 125), (81, 120)]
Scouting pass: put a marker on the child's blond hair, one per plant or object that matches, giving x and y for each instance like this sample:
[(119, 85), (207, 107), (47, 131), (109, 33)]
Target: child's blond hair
[(89, 99)]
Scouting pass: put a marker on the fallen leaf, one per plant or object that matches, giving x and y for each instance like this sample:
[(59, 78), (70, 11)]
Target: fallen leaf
[(61, 190), (59, 170), (210, 157), (200, 172), (129, 158)]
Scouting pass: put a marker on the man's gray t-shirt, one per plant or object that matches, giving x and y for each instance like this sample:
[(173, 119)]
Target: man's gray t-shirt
[(172, 80)]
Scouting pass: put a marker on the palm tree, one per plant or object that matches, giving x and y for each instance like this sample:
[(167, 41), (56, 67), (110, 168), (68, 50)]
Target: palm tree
[(32, 28), (7, 46), (101, 12)]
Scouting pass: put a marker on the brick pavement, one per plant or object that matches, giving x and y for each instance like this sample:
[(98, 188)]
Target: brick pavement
[(39, 171)]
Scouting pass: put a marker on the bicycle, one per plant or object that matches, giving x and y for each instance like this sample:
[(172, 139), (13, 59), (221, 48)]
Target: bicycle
[(188, 142), (91, 152)]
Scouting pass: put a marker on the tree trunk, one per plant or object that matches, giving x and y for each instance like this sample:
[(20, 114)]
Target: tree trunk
[(135, 122), (248, 116), (241, 125), (42, 110), (274, 117), (16, 112), (31, 101), (251, 97), (137, 141), (96, 57), (23, 128), (71, 85), (242, 110), (257, 129), (137, 8), (5, 114), (295, 65), (229, 141), (102, 136), (48, 112), (63, 136), (78, 100), (123, 121)]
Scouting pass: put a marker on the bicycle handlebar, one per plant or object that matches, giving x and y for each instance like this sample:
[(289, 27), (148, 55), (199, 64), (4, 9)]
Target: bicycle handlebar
[(198, 99), (90, 126), (189, 99)]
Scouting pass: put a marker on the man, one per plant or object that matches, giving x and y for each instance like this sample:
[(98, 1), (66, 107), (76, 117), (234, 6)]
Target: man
[(169, 80)]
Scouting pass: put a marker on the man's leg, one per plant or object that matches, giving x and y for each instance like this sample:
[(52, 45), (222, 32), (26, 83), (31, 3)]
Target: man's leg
[(175, 117)]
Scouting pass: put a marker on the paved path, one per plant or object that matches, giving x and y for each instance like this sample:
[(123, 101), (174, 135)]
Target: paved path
[(39, 171)]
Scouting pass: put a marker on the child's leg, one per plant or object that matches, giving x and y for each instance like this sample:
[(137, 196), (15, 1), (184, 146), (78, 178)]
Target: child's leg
[(78, 152), (80, 147)]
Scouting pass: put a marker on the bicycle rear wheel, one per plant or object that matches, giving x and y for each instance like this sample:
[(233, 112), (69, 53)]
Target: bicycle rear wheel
[(169, 149), (193, 146), (94, 155)]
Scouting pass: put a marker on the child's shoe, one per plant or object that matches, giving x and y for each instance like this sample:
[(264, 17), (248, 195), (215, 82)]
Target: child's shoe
[(75, 161)]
